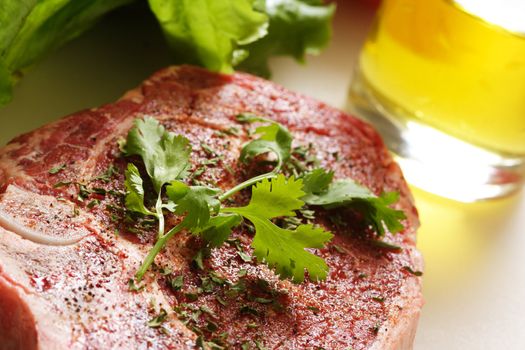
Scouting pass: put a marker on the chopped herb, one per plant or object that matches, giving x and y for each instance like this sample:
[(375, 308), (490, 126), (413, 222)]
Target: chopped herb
[(207, 310), (242, 272), (233, 131), (252, 325), (206, 284), (197, 260), (157, 321), (339, 249), (411, 271), (248, 310), (207, 149), (376, 328), (62, 184), (216, 278), (378, 299), (198, 172), (245, 257), (214, 346), (228, 168), (314, 309), (386, 245), (259, 345), (211, 326), (83, 192), (221, 301), (108, 174), (237, 288), (176, 283), (291, 222), (93, 203), (263, 300), (56, 169), (133, 287), (192, 296), (199, 343), (98, 190)]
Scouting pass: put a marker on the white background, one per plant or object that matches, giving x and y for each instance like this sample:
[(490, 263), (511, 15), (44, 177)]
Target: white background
[(474, 282)]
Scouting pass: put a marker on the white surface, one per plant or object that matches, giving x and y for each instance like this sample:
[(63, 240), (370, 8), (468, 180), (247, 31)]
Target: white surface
[(474, 282)]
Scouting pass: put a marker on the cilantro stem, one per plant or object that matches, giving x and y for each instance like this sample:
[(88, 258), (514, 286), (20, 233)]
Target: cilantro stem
[(246, 184), (297, 164), (160, 214), (161, 242)]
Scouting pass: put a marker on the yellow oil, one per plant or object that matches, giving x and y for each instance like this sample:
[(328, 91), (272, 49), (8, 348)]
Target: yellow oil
[(451, 70)]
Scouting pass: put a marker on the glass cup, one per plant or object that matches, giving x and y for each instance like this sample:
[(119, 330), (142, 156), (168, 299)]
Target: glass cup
[(443, 81)]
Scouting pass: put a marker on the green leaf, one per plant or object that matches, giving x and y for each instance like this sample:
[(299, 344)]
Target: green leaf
[(317, 181), (6, 85), (379, 214), (196, 202), (376, 210), (339, 193), (274, 138), (297, 28), (219, 228), (276, 197), (135, 191), (56, 169), (282, 249), (209, 32), (158, 320), (31, 29), (165, 154)]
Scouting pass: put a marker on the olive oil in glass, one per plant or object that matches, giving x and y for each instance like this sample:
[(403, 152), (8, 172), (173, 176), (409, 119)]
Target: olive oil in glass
[(444, 83)]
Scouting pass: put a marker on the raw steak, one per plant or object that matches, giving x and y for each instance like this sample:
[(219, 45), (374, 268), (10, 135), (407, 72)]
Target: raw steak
[(67, 250)]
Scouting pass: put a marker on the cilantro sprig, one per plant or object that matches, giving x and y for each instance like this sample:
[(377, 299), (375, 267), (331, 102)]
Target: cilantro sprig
[(282, 249), (166, 158)]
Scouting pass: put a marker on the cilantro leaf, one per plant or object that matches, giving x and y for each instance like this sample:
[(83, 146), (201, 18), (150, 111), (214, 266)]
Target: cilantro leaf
[(135, 191), (339, 193), (165, 155), (276, 197), (219, 228), (282, 249), (197, 202), (274, 138), (317, 181), (378, 213), (347, 192)]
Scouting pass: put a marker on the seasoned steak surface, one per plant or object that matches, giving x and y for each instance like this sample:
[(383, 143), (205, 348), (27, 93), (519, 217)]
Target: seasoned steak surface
[(70, 291)]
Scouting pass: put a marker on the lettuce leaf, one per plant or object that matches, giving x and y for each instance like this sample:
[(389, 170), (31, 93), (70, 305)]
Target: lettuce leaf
[(209, 32), (216, 34), (30, 29), (297, 28), (221, 34)]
